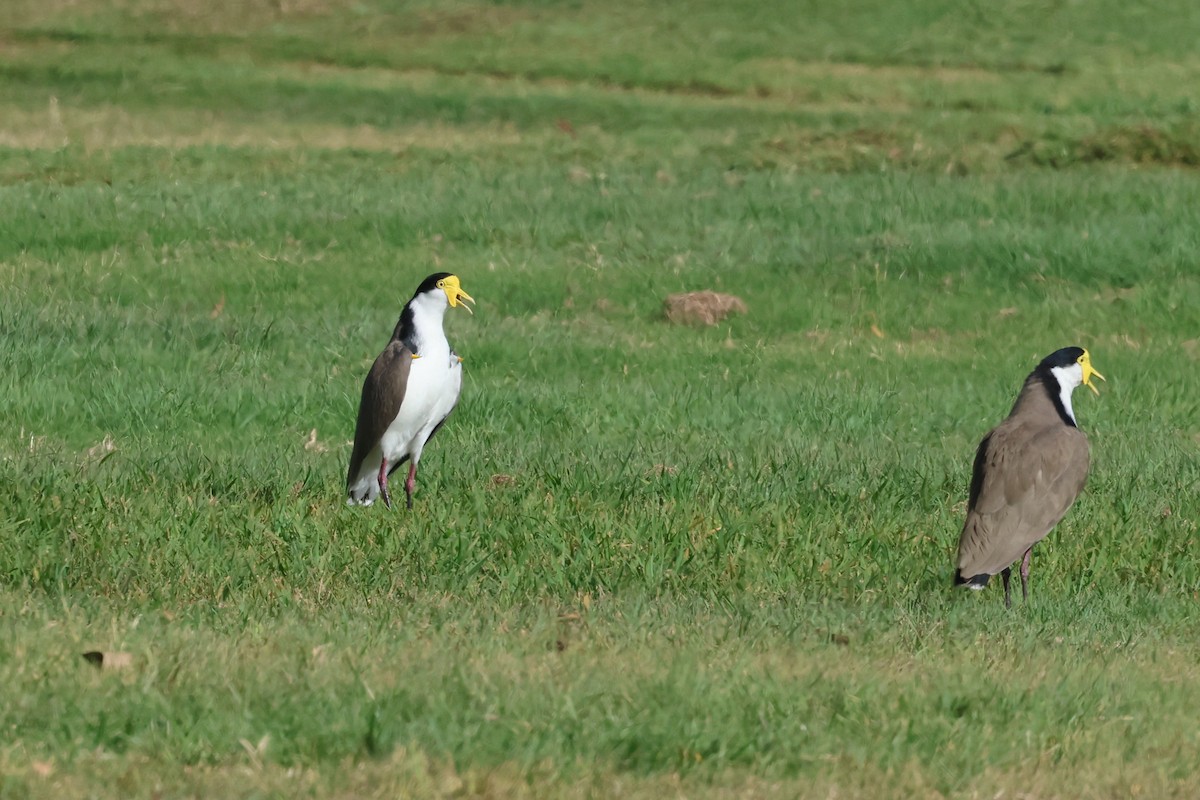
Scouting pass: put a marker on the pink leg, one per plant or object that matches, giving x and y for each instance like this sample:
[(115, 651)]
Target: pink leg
[(411, 483), (383, 492), (1025, 574)]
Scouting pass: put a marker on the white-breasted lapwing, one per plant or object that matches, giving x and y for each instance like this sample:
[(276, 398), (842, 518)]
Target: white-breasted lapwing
[(411, 389)]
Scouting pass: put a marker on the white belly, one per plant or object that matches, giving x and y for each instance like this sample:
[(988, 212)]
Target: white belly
[(434, 383)]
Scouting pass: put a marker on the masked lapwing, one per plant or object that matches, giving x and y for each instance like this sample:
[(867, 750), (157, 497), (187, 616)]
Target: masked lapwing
[(1028, 471), (411, 389)]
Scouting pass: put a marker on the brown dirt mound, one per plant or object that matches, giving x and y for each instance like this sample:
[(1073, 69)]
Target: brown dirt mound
[(705, 308)]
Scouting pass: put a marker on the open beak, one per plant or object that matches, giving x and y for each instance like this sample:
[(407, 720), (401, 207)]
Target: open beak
[(1088, 372), (455, 295)]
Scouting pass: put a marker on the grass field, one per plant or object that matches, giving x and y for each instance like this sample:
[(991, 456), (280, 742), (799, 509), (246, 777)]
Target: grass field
[(646, 560)]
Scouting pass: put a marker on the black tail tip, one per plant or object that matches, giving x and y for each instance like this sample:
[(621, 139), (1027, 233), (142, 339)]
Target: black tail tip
[(975, 582)]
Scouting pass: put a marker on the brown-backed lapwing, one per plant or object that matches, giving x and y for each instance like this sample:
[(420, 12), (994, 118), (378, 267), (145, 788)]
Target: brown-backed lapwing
[(1028, 471)]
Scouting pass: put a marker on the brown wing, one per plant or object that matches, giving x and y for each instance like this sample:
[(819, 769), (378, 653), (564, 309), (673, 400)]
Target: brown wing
[(1023, 482), (382, 394)]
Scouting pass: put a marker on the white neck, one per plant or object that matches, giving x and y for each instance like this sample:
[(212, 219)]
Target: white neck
[(428, 313), (1068, 378)]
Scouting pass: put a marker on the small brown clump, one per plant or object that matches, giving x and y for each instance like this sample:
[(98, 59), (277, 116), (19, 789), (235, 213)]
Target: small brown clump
[(705, 307)]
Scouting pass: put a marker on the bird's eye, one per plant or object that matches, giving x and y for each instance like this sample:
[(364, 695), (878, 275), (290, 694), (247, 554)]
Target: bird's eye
[(441, 284)]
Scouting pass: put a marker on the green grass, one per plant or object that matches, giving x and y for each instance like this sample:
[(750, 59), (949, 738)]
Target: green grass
[(645, 559)]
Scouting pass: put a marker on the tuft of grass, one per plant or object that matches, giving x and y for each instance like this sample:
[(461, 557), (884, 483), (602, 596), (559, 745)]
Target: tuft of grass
[(1140, 144)]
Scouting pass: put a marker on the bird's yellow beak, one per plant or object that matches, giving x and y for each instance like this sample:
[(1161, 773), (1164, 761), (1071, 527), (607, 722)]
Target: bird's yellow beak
[(455, 295), (1085, 361)]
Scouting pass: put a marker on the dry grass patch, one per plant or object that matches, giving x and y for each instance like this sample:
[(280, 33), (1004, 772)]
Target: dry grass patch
[(107, 127), (216, 16), (412, 773)]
